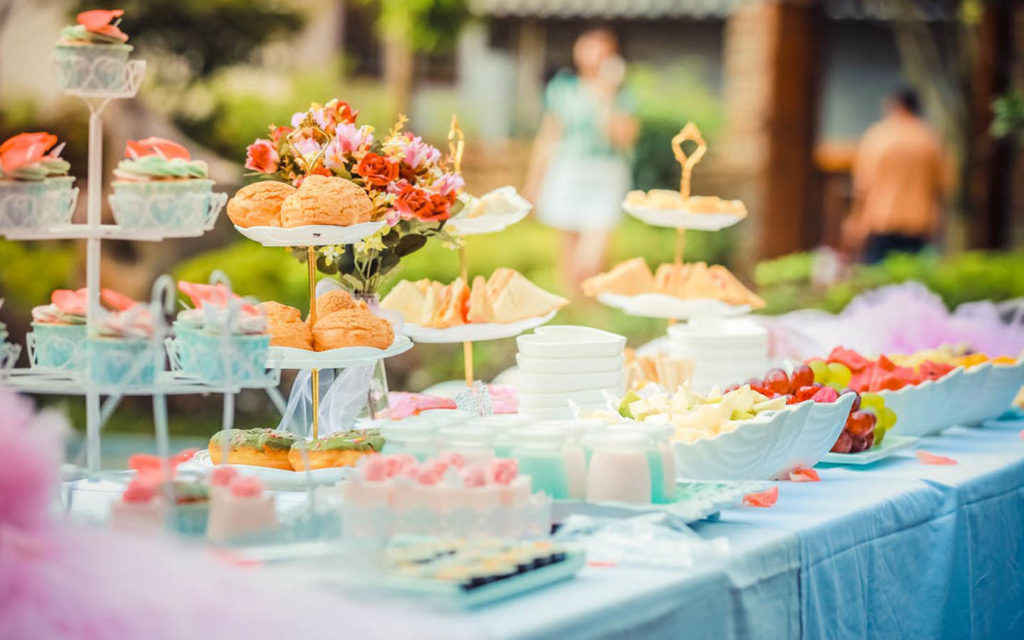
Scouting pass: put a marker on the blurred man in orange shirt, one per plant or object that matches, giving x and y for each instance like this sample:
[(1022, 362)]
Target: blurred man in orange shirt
[(901, 176)]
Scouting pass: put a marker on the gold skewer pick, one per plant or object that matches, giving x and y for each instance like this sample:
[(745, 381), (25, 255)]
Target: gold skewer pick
[(314, 377), (689, 133), (456, 144), (456, 147)]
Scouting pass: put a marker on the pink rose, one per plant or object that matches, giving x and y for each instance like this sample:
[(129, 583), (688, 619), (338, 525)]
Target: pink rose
[(261, 156), (376, 468), (474, 477), (453, 459)]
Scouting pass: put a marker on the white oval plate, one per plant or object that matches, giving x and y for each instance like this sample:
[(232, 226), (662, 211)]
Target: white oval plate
[(292, 358), (682, 218), (463, 225), (312, 235), (892, 444), (475, 332), (661, 305), (275, 478)]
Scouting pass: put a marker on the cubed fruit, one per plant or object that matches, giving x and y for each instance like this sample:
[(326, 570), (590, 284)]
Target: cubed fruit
[(885, 364), (843, 444), (853, 360), (806, 393), (825, 394)]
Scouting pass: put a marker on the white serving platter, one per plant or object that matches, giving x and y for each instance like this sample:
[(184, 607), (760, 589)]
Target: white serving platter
[(292, 358), (474, 332), (313, 235), (278, 479), (682, 218), (661, 305), (892, 444)]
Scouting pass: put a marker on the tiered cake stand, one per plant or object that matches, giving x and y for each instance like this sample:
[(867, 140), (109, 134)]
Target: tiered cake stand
[(310, 237), (135, 380), (659, 305), (461, 228)]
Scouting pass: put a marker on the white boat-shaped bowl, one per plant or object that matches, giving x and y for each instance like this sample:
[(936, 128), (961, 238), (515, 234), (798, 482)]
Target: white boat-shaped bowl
[(964, 393), (996, 396), (825, 421), (740, 454)]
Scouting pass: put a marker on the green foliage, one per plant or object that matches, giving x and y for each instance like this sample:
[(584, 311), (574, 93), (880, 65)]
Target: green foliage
[(236, 116), (214, 33), (785, 283), (668, 98), (427, 25), (1008, 110), (29, 271)]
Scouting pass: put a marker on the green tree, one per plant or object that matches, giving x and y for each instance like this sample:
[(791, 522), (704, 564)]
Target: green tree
[(205, 35)]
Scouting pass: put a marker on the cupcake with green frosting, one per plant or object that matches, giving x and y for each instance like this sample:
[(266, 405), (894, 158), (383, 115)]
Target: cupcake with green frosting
[(158, 185), (92, 54), (35, 188)]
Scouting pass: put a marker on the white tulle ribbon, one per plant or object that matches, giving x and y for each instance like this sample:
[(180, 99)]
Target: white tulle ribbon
[(343, 395)]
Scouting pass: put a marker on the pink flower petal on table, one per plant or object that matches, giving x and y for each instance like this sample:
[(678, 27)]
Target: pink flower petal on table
[(804, 475), (931, 458), (762, 498)]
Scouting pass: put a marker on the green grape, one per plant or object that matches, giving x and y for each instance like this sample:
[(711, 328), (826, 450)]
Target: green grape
[(887, 418), (880, 432), (820, 369), (873, 400), (839, 374)]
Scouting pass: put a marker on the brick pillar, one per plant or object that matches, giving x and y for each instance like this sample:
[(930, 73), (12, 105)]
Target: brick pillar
[(771, 120)]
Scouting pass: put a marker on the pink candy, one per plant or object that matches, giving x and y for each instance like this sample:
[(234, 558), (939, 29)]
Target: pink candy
[(222, 476), (504, 470), (453, 459), (377, 468), (474, 477), (247, 487)]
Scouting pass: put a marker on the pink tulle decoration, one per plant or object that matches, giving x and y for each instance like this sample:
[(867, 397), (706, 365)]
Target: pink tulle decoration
[(901, 318)]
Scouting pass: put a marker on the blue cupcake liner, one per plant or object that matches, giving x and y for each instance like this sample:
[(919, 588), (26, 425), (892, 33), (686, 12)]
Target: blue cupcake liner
[(115, 361), (200, 354), (56, 346)]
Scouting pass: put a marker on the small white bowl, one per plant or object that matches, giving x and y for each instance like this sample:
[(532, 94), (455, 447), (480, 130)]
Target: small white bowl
[(567, 341), (529, 364), (548, 383)]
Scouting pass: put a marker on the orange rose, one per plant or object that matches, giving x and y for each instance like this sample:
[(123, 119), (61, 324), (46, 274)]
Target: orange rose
[(99, 21), (377, 170), (153, 146), (414, 203), (261, 156)]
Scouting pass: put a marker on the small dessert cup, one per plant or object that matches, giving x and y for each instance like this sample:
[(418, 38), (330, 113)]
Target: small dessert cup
[(92, 68), (120, 362), (56, 346), (162, 204)]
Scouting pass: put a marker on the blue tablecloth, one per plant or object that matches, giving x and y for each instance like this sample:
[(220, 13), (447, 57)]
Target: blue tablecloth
[(897, 549)]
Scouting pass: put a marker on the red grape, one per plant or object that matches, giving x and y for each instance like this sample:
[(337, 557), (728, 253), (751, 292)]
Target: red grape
[(861, 423), (802, 376), (858, 444), (777, 381), (844, 443), (856, 399)]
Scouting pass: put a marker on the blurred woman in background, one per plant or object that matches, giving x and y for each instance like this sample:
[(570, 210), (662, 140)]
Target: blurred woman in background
[(579, 170)]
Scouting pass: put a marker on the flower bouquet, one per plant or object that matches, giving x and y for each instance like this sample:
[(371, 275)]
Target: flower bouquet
[(405, 179)]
